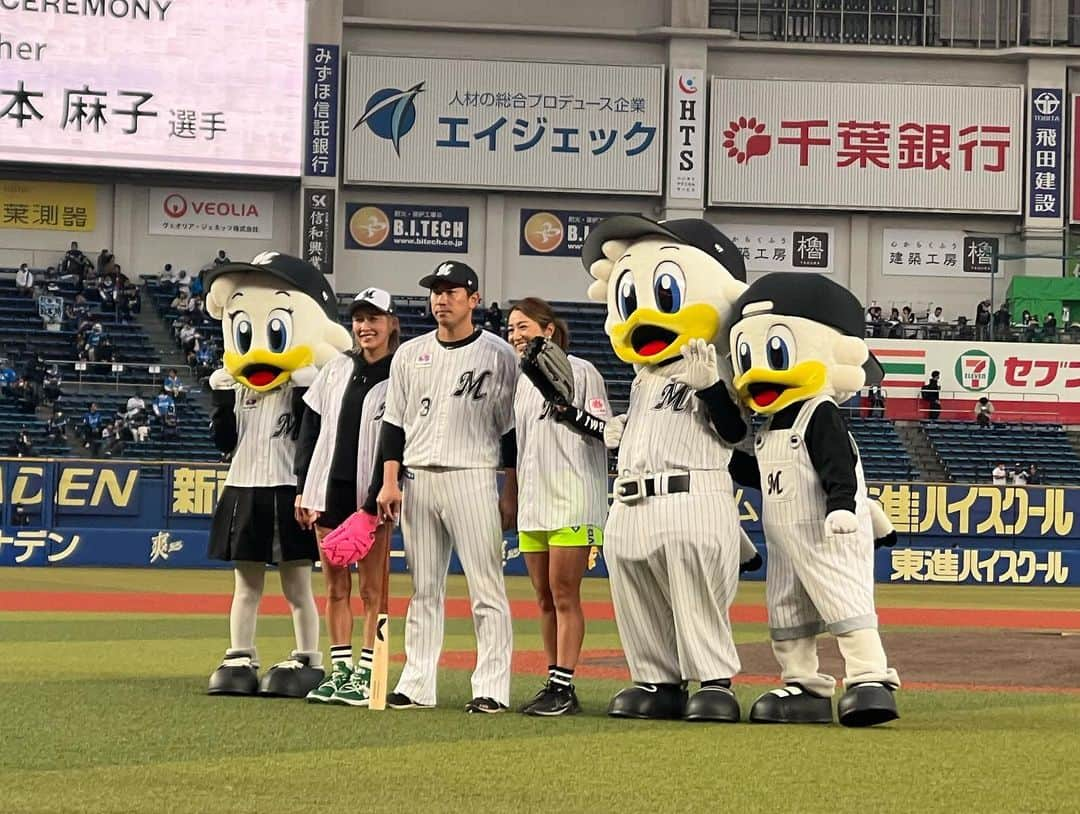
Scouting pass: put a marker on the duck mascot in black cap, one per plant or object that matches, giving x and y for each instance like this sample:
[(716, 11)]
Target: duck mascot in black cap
[(797, 350), (672, 540), (279, 319)]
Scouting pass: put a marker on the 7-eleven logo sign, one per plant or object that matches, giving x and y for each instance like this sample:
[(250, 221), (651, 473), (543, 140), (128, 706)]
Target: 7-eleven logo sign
[(975, 370)]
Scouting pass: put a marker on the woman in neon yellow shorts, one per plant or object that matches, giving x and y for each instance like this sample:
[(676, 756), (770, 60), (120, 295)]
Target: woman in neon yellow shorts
[(562, 499)]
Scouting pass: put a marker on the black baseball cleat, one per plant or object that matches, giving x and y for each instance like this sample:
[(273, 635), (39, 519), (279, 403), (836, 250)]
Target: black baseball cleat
[(751, 565), (292, 678), (524, 708), (713, 703), (237, 675), (660, 701), (867, 704), (791, 705), (556, 701), (399, 700), (488, 706)]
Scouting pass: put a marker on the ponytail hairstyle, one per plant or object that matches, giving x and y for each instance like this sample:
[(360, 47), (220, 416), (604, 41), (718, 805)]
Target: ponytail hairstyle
[(540, 312)]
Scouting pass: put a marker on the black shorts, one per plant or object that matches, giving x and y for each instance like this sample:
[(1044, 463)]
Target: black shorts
[(257, 524), (340, 503)]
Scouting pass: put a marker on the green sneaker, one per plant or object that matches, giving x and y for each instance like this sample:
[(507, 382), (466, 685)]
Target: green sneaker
[(337, 679), (356, 692)]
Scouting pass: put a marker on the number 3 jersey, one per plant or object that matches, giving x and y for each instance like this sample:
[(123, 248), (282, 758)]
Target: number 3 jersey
[(454, 401), (668, 427)]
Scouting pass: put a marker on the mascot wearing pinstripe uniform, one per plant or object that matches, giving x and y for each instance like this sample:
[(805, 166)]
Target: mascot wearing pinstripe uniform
[(279, 319), (672, 541), (797, 350)]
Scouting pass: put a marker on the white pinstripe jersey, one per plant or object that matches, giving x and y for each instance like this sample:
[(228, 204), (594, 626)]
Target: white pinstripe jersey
[(562, 475), (455, 404), (793, 500), (325, 397), (265, 447), (668, 426)]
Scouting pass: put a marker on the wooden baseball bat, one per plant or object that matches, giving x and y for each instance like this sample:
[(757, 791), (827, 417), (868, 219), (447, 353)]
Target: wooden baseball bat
[(380, 668)]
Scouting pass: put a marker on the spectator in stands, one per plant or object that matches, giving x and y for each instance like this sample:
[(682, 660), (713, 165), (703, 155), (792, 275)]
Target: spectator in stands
[(221, 258), (8, 377), (875, 399), (106, 288), (931, 394), (170, 427), (963, 330), (51, 280), (25, 398), (92, 343), (181, 300), (936, 317), (493, 319), (105, 262), (188, 337), (1019, 475), (75, 264), (123, 305), (172, 384), (56, 427), (35, 369), (1050, 326), (982, 319), (130, 291), (984, 412), (21, 446), (1034, 329), (1001, 320), (24, 281), (163, 405), (197, 286), (205, 360), (907, 316), (135, 406), (19, 516), (106, 351), (895, 331), (112, 438), (998, 476), (52, 384), (138, 427), (91, 427), (1034, 476)]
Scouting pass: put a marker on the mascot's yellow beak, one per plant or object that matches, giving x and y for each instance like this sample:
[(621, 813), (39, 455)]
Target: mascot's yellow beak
[(262, 370), (649, 336), (768, 391)]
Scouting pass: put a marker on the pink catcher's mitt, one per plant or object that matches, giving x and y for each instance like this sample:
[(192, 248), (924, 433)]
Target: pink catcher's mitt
[(351, 541)]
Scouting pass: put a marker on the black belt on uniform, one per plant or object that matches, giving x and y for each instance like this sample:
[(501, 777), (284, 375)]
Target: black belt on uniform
[(675, 484)]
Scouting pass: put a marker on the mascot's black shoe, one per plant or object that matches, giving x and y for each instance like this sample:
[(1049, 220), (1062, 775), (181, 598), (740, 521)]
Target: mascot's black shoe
[(649, 701), (791, 705), (867, 705), (237, 675), (713, 703), (293, 678)]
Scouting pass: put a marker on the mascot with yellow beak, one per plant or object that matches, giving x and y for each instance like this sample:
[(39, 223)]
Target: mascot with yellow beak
[(672, 540), (279, 319), (797, 350)]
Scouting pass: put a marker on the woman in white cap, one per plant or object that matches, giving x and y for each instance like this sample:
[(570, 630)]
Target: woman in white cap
[(337, 474)]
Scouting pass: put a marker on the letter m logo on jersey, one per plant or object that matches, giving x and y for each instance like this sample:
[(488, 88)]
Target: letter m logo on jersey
[(471, 384), (673, 397)]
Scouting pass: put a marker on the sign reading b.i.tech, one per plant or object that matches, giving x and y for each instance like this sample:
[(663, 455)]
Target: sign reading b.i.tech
[(407, 227)]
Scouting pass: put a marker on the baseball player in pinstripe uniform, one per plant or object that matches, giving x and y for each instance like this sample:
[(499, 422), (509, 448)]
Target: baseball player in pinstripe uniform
[(672, 540), (338, 473), (562, 498), (449, 416), (797, 350), (279, 319)]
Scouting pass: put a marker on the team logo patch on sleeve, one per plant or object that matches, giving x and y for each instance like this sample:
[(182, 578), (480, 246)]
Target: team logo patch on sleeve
[(597, 406), (423, 360)]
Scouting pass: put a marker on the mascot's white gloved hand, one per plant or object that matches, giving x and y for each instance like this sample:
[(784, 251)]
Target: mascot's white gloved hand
[(841, 528), (304, 376), (884, 532), (221, 379), (613, 431), (700, 371)]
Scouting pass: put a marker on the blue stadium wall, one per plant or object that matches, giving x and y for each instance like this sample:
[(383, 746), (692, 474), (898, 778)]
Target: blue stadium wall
[(124, 513)]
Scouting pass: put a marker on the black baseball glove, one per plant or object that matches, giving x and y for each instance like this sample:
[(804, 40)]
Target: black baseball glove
[(549, 370)]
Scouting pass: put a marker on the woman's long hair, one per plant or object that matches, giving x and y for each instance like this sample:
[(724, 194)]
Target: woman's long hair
[(540, 312)]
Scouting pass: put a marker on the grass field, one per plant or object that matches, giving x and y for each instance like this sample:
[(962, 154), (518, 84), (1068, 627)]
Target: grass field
[(106, 712)]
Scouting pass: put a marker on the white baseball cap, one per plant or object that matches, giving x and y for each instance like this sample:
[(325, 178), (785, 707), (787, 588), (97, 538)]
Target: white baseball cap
[(376, 298)]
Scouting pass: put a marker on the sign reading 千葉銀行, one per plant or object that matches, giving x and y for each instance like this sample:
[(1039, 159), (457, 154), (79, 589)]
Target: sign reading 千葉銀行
[(504, 124), (936, 253), (783, 248), (1046, 125), (407, 227), (224, 213), (191, 86), (840, 145), (48, 205)]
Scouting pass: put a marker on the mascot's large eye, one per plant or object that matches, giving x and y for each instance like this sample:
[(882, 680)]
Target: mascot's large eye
[(626, 294), (241, 331), (278, 330), (780, 347), (669, 282), (742, 354)]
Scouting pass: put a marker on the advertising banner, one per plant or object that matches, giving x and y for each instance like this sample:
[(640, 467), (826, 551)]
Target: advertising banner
[(556, 232), (783, 248), (48, 205), (504, 124), (183, 212), (321, 115), (1046, 166), (686, 124), (407, 227), (936, 253), (318, 237), (856, 145)]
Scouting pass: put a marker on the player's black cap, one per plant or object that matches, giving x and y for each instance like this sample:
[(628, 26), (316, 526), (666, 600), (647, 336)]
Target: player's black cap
[(299, 274), (692, 231), (810, 296), (453, 273)]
